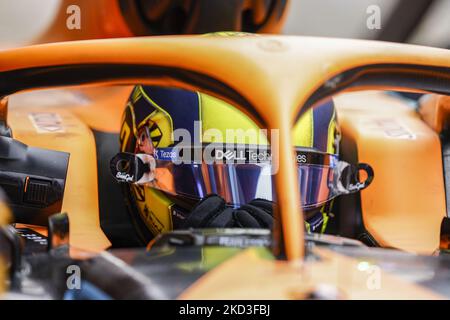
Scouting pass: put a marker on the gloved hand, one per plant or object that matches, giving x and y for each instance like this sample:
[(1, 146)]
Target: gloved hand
[(212, 212)]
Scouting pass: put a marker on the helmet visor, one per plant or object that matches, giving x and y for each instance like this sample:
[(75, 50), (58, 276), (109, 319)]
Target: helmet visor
[(239, 175), (321, 176), (240, 183)]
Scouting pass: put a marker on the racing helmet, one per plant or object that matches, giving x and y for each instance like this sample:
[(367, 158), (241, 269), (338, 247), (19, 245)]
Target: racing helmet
[(161, 190)]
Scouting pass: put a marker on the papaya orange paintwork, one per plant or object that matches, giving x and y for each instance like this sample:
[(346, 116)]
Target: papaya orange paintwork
[(404, 206), (76, 138), (275, 74), (261, 279), (435, 111)]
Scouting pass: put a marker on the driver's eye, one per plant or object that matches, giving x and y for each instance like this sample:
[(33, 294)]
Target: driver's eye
[(142, 137)]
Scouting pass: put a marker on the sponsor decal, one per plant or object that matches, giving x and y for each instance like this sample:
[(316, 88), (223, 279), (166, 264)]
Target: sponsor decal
[(392, 128), (124, 177), (219, 153), (47, 122)]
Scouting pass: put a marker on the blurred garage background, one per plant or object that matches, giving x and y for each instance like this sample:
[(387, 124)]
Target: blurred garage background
[(424, 22)]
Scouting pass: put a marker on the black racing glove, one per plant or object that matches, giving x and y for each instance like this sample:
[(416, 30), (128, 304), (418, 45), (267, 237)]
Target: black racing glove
[(212, 212)]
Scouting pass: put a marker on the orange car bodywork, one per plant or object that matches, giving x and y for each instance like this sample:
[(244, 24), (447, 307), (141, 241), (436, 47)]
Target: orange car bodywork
[(249, 276), (404, 206), (435, 111), (77, 139), (272, 78)]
